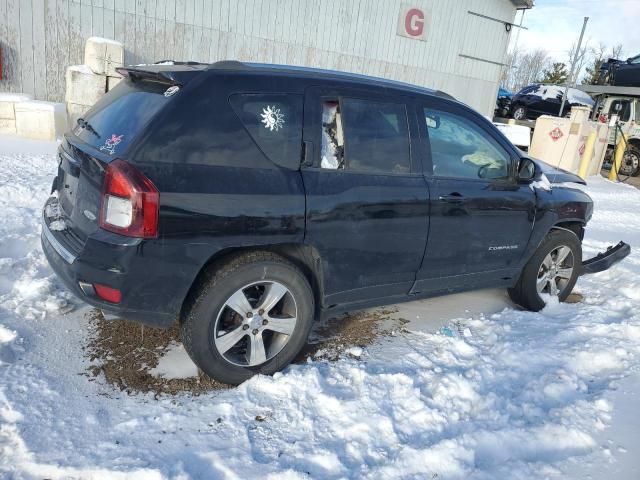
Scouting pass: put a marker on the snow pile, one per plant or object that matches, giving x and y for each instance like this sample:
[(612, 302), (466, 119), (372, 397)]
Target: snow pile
[(515, 395)]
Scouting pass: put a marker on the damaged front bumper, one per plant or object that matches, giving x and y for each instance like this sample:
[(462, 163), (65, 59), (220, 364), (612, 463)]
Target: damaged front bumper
[(605, 260)]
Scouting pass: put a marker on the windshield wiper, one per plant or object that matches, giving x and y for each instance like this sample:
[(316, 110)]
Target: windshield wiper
[(86, 125)]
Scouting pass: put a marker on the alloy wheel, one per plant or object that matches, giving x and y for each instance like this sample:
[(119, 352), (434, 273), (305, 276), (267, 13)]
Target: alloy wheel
[(518, 113), (555, 271), (255, 323)]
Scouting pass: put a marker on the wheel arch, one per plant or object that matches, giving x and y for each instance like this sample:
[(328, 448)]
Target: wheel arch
[(305, 257), (574, 226), (635, 142)]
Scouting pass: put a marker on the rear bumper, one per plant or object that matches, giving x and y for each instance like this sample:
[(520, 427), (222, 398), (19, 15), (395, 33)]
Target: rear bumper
[(128, 265), (603, 261), (78, 276)]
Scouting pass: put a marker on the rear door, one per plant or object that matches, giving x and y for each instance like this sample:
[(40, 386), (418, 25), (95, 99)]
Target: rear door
[(481, 218), (551, 100), (367, 200)]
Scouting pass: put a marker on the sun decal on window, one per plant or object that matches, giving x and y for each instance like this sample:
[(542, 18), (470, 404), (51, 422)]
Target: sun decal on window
[(272, 118)]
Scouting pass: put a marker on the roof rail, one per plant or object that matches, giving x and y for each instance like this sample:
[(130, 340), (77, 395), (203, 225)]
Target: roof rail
[(307, 71)]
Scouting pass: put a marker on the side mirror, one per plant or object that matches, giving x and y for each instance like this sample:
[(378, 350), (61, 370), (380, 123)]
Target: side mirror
[(526, 170)]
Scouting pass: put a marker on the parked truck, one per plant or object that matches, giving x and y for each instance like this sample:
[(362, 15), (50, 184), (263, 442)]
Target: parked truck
[(620, 108)]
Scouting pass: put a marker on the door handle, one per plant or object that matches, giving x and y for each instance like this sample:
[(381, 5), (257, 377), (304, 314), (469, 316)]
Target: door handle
[(452, 198)]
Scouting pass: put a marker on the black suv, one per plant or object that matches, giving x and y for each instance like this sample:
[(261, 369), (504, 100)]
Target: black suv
[(539, 99), (244, 201)]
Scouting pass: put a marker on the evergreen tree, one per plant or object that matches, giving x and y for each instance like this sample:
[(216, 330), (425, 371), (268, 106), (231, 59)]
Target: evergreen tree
[(556, 75), (592, 72)]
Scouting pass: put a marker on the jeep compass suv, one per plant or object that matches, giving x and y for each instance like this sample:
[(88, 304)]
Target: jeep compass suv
[(244, 201)]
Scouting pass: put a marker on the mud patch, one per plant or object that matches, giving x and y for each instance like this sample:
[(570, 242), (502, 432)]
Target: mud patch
[(126, 352), (574, 297), (332, 338)]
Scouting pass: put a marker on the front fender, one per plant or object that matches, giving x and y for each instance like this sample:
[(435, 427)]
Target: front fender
[(560, 205)]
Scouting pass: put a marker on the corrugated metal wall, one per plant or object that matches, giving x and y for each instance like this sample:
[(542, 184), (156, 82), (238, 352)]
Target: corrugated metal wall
[(40, 38)]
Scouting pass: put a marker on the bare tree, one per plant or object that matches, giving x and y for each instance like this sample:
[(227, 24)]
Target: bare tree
[(528, 67), (597, 56), (592, 70), (577, 61), (616, 51)]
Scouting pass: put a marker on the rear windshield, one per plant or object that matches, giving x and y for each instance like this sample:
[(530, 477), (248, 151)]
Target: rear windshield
[(115, 120)]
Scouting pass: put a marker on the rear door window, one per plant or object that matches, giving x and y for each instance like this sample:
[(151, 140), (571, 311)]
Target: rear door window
[(274, 122), (118, 117), (366, 136)]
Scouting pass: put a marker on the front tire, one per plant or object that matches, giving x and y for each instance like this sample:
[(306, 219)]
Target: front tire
[(520, 112), (252, 315), (553, 270)]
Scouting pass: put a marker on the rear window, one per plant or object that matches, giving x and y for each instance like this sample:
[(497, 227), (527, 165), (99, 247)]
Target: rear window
[(118, 117), (274, 121)]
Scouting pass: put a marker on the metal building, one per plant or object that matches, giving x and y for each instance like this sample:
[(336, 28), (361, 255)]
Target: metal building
[(458, 46)]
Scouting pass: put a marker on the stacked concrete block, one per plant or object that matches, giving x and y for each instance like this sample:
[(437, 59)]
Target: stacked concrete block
[(8, 102), (84, 88), (40, 120), (103, 56), (87, 83)]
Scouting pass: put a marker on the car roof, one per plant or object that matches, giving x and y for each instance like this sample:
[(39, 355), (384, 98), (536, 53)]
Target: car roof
[(318, 73)]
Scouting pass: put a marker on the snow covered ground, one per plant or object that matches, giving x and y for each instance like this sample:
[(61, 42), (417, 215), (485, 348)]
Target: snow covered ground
[(521, 395)]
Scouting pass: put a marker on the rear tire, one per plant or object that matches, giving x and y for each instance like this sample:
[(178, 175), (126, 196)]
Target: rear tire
[(230, 347), (553, 270)]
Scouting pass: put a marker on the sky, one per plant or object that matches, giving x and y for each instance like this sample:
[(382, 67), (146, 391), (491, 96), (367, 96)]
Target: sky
[(555, 24)]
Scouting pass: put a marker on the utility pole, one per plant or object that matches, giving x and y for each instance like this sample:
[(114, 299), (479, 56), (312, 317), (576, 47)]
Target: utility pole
[(515, 47), (573, 66)]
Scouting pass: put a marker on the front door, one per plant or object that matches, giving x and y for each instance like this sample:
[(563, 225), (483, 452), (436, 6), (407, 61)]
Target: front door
[(367, 200), (481, 218)]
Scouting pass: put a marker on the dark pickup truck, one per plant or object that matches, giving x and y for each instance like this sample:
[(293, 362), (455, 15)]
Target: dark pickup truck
[(244, 201)]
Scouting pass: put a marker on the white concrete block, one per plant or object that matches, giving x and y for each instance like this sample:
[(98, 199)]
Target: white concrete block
[(7, 111), (7, 101), (7, 126), (83, 86), (15, 97), (112, 82), (75, 111), (103, 55), (40, 120)]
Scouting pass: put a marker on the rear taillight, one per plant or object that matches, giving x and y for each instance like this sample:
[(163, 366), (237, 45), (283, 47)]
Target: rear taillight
[(130, 202), (109, 294)]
